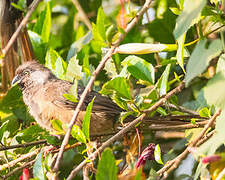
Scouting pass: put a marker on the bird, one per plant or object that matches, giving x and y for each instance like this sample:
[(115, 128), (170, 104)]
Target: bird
[(43, 94)]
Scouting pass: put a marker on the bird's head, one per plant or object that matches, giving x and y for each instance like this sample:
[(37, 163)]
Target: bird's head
[(31, 73)]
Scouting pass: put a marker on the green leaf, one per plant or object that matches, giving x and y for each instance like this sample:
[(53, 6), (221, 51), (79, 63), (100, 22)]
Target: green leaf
[(21, 5), (78, 134), (107, 168), (162, 29), (40, 48), (214, 90), (162, 7), (97, 42), (45, 32), (161, 111), (73, 70), (100, 23), (72, 96), (55, 63), (110, 68), (180, 51), (57, 125), (157, 154), (164, 80), (201, 57), (119, 85), (38, 169), (43, 24), (13, 99), (191, 11), (175, 10), (204, 112), (86, 120), (86, 65), (140, 68), (138, 175), (221, 64), (77, 45)]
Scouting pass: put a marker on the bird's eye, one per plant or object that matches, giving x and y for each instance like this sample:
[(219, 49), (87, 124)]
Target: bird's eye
[(26, 72)]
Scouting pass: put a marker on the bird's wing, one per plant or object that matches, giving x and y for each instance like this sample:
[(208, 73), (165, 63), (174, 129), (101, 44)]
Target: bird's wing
[(101, 103)]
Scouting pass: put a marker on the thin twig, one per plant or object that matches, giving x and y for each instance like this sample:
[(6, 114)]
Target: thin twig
[(18, 168), (183, 109), (178, 127), (205, 138), (91, 82), (83, 14), (139, 142), (126, 129), (20, 27), (171, 165), (21, 158), (3, 148)]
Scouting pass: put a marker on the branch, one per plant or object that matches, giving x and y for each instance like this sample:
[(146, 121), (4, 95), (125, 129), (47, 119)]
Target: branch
[(183, 109), (23, 145), (18, 168), (91, 82), (21, 158), (178, 127), (171, 165), (20, 27), (82, 13), (125, 130)]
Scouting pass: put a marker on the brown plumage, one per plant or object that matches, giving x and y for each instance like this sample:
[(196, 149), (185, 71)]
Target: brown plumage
[(43, 94)]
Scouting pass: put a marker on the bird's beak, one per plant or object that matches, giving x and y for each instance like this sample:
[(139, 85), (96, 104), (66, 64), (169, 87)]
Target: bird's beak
[(15, 80)]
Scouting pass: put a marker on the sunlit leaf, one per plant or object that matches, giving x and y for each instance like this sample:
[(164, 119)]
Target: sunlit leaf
[(204, 112), (140, 68), (107, 168), (86, 120), (191, 11), (77, 45), (43, 24), (221, 64), (164, 80), (180, 51), (201, 57), (78, 134), (101, 22), (57, 125), (162, 7), (214, 90), (119, 85), (157, 154), (45, 32), (73, 70), (55, 63)]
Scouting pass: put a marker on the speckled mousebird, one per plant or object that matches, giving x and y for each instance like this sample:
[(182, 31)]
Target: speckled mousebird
[(43, 94)]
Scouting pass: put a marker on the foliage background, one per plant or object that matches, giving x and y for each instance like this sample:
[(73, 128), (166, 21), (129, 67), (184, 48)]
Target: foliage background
[(191, 33)]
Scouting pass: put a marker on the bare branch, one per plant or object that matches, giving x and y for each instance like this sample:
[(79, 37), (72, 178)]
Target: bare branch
[(3, 148), (21, 158), (21, 26), (182, 109), (18, 168), (82, 13), (171, 165)]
